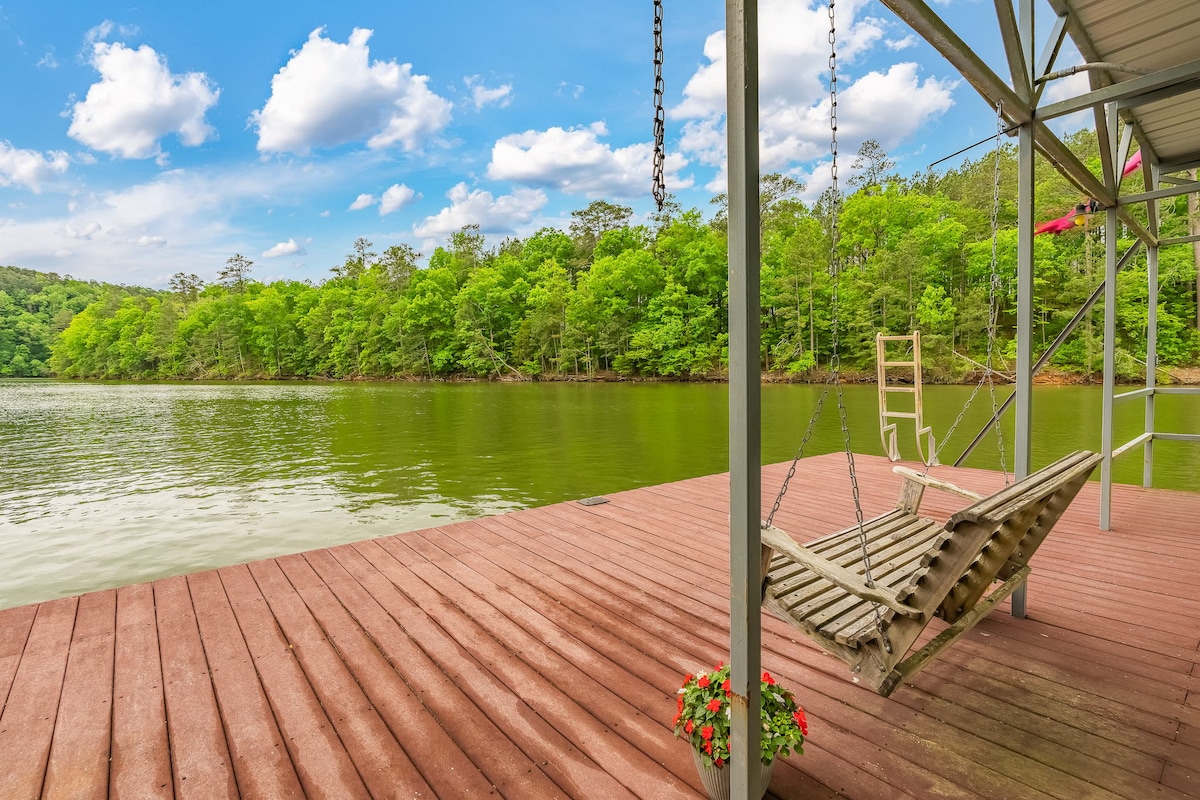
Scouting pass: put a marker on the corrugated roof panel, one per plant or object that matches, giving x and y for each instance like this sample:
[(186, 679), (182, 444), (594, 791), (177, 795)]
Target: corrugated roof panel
[(1152, 35)]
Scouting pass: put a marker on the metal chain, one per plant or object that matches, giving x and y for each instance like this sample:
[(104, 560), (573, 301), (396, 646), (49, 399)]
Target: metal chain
[(993, 292), (835, 358), (660, 158), (993, 314)]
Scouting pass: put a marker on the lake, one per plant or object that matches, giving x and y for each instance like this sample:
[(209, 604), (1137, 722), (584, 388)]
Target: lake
[(105, 484)]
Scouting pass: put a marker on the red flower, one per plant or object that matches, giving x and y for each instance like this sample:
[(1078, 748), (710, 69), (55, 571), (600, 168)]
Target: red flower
[(679, 704), (675, 721), (702, 681), (767, 679), (726, 685), (706, 732), (708, 748), (720, 762), (714, 705), (720, 664), (801, 720), (687, 678), (689, 727)]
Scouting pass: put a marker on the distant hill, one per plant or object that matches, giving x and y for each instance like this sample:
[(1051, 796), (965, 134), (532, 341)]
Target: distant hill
[(35, 307)]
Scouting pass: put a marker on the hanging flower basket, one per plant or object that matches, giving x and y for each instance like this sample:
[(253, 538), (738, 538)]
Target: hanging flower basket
[(702, 717)]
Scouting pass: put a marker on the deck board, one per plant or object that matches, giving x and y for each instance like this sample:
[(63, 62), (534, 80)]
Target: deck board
[(535, 655), (78, 766)]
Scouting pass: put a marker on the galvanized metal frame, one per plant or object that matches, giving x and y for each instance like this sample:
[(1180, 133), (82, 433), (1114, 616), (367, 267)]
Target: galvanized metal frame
[(745, 446), (1115, 104)]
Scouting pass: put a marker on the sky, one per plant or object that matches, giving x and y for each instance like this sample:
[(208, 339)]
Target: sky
[(141, 141)]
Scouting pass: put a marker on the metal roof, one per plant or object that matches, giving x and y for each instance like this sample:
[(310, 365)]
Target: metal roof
[(1158, 37), (1144, 65)]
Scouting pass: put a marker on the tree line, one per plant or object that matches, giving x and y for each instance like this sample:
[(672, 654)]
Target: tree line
[(649, 299)]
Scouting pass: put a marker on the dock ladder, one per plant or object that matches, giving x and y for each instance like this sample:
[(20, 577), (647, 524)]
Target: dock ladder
[(911, 360)]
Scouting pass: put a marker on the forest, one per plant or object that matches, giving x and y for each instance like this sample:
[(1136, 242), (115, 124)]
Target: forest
[(612, 298)]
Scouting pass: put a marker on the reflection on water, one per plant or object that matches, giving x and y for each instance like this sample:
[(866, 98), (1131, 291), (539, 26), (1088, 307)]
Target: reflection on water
[(107, 484)]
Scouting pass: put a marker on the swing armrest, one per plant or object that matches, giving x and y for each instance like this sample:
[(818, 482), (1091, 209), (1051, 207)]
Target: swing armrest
[(925, 480), (783, 544)]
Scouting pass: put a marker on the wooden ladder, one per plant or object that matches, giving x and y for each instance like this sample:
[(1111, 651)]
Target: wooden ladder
[(887, 428)]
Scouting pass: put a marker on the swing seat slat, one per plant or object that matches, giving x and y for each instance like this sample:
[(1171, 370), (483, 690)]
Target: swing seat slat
[(920, 569)]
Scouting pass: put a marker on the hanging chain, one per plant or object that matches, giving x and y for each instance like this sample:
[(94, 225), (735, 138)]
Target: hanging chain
[(993, 296), (835, 360), (660, 186), (993, 314), (812, 420)]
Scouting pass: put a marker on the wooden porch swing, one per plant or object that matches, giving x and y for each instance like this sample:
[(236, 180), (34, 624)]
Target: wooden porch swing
[(921, 570), (866, 593)]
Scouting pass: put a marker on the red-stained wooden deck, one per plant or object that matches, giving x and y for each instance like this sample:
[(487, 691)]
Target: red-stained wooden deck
[(536, 654)]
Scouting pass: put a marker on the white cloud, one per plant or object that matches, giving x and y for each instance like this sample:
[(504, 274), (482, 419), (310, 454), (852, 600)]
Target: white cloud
[(138, 101), (330, 94), (901, 44), (105, 28), (29, 168), (288, 248), (887, 105), (575, 161), (48, 60), (575, 90), (395, 198), (362, 201), (88, 231), (505, 214), (123, 235), (325, 213), (482, 96)]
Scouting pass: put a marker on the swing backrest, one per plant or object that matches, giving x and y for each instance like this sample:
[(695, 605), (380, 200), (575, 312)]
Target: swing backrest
[(1017, 520)]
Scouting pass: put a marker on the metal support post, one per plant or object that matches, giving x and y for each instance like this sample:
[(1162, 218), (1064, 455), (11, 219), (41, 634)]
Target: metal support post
[(1024, 392), (745, 446), (1151, 360), (1110, 361), (1022, 449)]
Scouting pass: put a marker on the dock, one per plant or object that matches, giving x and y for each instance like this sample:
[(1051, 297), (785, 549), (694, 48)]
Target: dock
[(536, 654)]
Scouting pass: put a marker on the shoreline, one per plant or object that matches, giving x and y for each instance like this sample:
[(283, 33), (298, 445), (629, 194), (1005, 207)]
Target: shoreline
[(1175, 376)]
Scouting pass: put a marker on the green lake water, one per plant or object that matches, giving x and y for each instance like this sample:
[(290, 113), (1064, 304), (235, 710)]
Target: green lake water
[(104, 484)]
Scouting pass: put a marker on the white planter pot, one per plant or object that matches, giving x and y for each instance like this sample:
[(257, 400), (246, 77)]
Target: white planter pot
[(716, 779)]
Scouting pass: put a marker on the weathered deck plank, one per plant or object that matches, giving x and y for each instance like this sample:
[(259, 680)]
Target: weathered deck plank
[(78, 767), (29, 715), (535, 654), (141, 756)]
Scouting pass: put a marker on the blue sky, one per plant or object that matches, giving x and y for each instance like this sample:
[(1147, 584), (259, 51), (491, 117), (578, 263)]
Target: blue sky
[(141, 141)]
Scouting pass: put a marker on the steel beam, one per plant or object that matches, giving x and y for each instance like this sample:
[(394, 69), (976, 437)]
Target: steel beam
[(1151, 361), (1110, 350), (745, 413), (1174, 80), (1195, 237), (1158, 194), (1026, 164), (1044, 359), (925, 23), (1053, 45), (1010, 35)]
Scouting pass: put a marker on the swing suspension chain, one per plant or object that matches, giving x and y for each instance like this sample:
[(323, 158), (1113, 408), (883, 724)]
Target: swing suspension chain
[(835, 358), (833, 194), (659, 181), (993, 314), (993, 296)]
